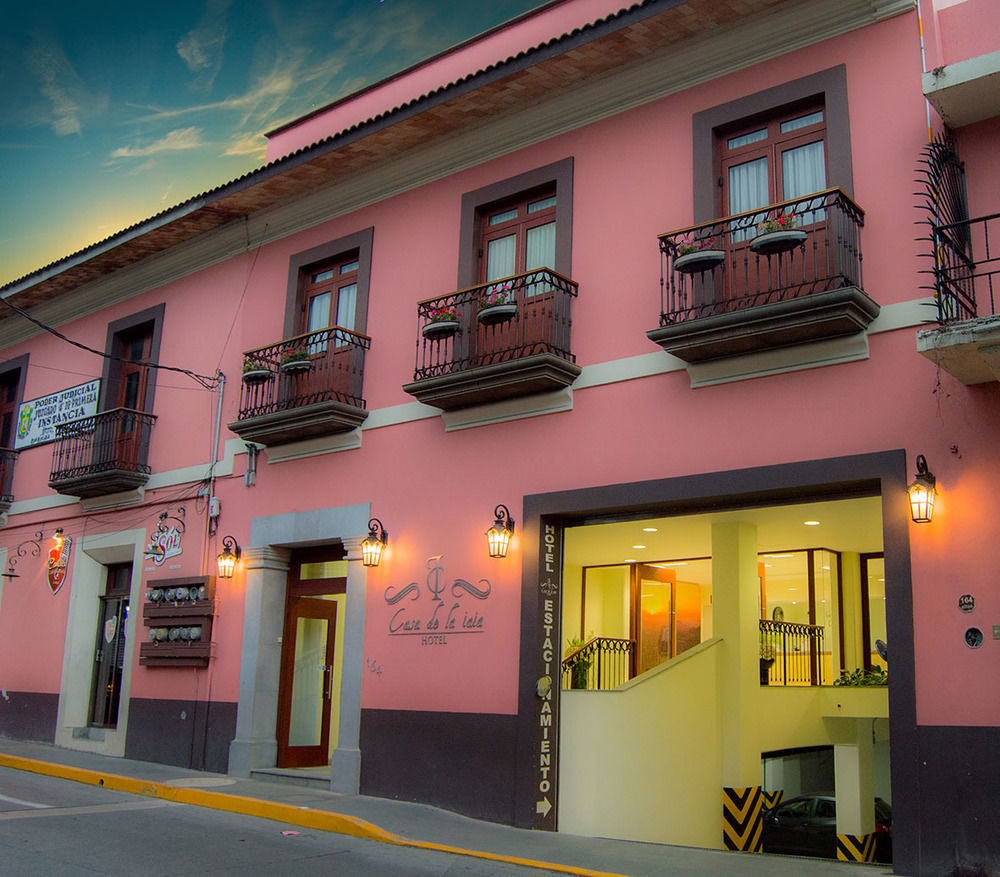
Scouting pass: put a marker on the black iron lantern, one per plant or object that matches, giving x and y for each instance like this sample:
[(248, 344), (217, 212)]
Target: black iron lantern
[(374, 544), (922, 493), (498, 536), (231, 553)]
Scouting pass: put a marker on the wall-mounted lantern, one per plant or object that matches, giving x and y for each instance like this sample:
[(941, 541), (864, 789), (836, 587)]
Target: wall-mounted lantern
[(498, 536), (231, 553), (922, 492), (374, 544)]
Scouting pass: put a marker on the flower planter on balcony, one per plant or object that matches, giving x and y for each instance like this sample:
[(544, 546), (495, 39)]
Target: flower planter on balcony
[(257, 376), (440, 329), (499, 313), (772, 243), (296, 366), (698, 261)]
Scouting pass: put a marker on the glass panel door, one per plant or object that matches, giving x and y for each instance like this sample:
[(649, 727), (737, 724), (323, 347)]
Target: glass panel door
[(309, 677), (655, 616), (305, 693), (109, 652)]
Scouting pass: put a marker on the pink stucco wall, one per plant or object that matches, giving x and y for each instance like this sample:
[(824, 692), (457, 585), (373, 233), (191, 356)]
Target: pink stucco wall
[(443, 69), (435, 491), (959, 31)]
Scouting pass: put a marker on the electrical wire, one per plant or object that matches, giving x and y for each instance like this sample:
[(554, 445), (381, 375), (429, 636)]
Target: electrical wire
[(208, 382)]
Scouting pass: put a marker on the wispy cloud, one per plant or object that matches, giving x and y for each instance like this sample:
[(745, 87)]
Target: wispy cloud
[(68, 98), (178, 139), (202, 48), (247, 144)]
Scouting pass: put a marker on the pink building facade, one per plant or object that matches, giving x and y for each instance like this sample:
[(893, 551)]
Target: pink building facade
[(653, 283)]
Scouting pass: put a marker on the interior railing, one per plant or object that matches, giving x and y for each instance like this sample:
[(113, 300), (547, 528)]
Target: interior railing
[(599, 664), (791, 654)]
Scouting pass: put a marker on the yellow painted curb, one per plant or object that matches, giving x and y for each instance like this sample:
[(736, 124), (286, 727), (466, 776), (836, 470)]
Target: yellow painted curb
[(306, 817)]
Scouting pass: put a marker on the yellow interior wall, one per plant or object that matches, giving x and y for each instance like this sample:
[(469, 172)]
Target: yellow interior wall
[(643, 762)]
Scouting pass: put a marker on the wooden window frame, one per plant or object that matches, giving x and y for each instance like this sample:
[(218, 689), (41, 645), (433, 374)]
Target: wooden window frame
[(770, 148), (555, 178), (520, 225), (18, 369), (828, 87), (333, 285), (302, 264), (118, 331)]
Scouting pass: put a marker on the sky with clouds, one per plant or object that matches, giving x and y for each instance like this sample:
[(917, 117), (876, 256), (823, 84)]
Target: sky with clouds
[(112, 111)]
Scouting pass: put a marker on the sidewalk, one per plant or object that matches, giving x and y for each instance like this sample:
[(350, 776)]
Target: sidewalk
[(401, 823)]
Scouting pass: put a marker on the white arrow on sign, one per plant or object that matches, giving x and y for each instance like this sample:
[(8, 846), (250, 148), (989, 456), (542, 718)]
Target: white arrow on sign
[(543, 806)]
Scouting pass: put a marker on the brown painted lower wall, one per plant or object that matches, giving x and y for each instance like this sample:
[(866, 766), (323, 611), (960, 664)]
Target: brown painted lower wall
[(959, 804), (28, 715), (186, 733), (459, 761)]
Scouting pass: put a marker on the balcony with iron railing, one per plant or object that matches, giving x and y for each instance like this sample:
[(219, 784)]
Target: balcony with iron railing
[(494, 341), (303, 387), (8, 457), (102, 454), (966, 264), (785, 274)]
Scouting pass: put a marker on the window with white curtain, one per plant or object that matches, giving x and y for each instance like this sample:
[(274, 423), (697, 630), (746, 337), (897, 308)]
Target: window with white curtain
[(769, 161), (518, 237), (331, 295)]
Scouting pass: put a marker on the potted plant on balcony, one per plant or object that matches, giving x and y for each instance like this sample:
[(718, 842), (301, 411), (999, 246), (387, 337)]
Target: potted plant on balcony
[(497, 304), (777, 234), (442, 322), (694, 256), (296, 361), (256, 371)]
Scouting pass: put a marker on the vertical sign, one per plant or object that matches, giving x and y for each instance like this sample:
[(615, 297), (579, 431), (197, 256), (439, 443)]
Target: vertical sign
[(548, 664)]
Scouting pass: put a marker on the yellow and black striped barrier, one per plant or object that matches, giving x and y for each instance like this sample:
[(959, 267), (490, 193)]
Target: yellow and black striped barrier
[(856, 848), (773, 799), (741, 818)]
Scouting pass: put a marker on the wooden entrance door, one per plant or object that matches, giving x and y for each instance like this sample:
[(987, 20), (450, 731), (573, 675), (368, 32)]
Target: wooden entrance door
[(305, 691)]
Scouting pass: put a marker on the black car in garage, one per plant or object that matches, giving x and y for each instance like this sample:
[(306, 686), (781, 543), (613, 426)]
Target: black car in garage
[(807, 826)]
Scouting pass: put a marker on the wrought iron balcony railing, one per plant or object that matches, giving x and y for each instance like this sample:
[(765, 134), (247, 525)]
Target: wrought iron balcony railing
[(531, 315), (599, 664), (102, 454), (965, 263), (8, 458), (736, 262), (791, 654), (317, 367)]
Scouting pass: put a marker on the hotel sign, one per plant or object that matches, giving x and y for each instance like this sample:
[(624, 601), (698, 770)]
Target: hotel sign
[(446, 615), (548, 672), (37, 419)]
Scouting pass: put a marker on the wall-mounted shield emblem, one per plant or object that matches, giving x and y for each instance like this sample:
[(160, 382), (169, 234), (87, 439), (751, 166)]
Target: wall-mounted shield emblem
[(58, 561), (110, 626)]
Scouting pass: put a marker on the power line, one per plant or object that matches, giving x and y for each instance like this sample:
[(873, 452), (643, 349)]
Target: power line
[(208, 382)]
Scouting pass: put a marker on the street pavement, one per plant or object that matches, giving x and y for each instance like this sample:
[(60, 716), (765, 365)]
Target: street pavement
[(403, 824)]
